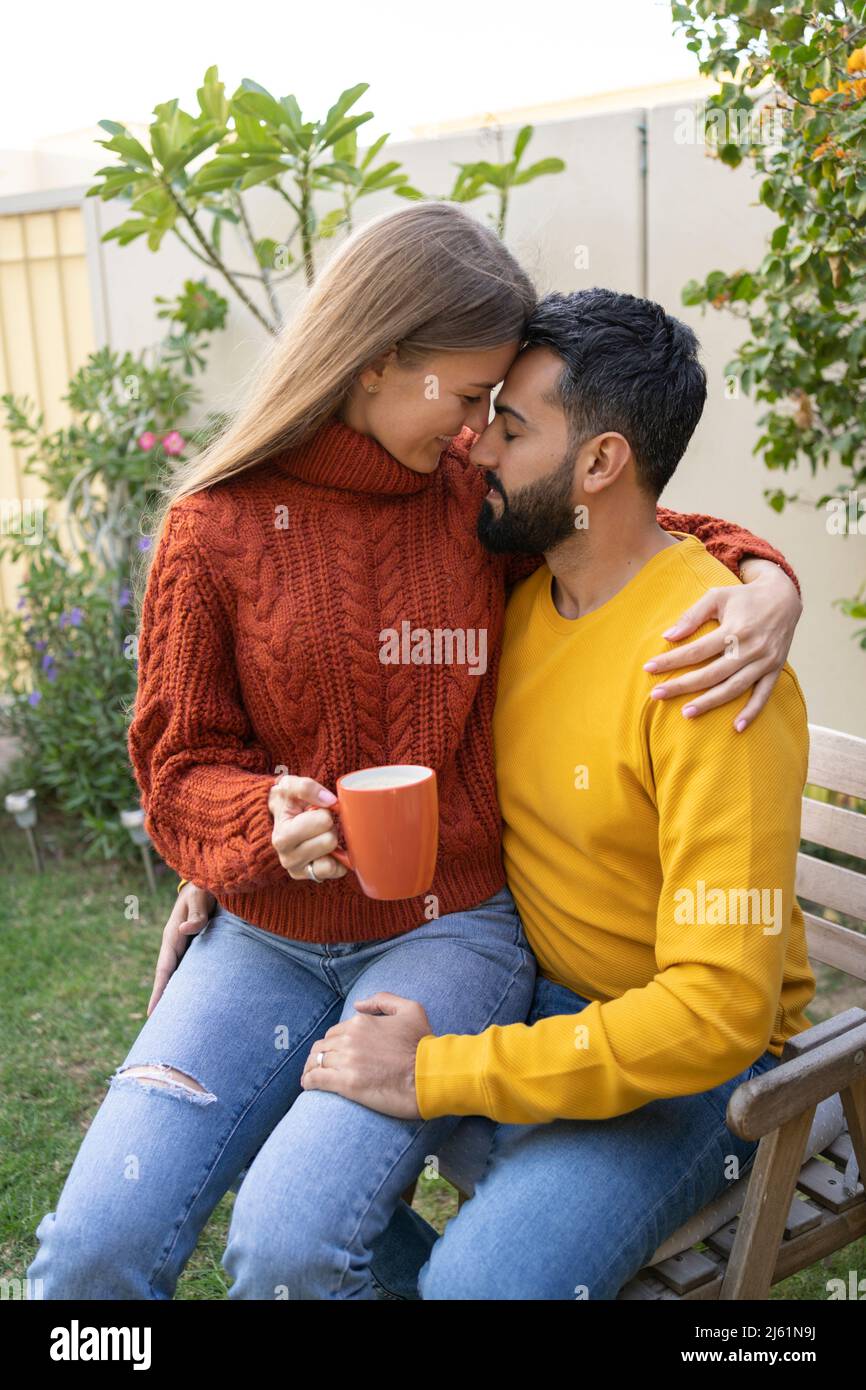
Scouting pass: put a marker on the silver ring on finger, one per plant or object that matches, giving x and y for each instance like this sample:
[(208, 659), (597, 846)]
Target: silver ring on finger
[(320, 1059), (311, 873)]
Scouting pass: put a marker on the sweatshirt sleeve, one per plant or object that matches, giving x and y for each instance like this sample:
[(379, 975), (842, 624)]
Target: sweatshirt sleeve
[(725, 540), (729, 822), (203, 778)]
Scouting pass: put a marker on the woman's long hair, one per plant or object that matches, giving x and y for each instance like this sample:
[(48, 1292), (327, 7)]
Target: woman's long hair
[(426, 279)]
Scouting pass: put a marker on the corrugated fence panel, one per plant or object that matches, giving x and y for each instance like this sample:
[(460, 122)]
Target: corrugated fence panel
[(46, 332)]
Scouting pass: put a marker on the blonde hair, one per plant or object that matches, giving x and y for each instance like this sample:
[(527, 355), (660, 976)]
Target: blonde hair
[(428, 278)]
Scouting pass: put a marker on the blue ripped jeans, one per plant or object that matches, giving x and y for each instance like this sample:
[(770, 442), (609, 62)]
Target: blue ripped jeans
[(571, 1209), (321, 1175)]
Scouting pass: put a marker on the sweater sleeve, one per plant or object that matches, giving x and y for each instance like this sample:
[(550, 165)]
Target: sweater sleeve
[(728, 542), (203, 778), (729, 822)]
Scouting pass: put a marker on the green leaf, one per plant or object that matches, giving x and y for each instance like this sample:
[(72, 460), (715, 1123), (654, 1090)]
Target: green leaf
[(693, 292), (524, 135), (544, 166), (341, 106), (257, 100), (339, 131), (373, 150), (779, 238)]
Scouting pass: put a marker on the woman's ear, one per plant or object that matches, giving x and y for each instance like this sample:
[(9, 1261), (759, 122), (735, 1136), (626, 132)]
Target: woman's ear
[(371, 378)]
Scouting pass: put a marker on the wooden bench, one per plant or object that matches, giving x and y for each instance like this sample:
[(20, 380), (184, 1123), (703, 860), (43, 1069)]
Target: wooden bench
[(801, 1198)]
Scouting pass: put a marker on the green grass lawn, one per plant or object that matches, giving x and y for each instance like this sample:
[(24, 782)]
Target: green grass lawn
[(76, 976)]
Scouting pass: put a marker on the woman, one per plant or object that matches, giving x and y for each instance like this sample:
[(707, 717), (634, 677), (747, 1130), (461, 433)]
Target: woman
[(338, 505)]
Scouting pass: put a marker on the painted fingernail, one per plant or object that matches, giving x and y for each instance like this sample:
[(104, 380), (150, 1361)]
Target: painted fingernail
[(651, 666), (658, 691), (690, 711)]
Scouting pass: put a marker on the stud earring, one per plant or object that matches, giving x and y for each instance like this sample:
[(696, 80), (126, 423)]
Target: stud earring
[(371, 389)]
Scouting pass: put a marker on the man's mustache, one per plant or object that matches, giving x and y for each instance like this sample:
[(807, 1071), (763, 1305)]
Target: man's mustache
[(492, 481)]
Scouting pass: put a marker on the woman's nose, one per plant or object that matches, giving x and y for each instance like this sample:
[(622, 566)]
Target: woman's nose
[(479, 416)]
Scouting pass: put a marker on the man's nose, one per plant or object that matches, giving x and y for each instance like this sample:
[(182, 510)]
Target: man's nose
[(481, 454)]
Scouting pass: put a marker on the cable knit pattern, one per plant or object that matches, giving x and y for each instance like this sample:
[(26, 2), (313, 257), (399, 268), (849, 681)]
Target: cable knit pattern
[(259, 652)]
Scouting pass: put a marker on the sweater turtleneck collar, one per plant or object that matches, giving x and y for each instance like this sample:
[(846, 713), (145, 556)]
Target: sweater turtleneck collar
[(339, 457)]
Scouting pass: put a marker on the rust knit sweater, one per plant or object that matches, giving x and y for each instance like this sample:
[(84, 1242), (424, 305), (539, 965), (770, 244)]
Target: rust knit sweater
[(259, 653)]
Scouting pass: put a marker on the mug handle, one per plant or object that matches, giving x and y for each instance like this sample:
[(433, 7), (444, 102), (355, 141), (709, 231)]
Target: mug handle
[(341, 855)]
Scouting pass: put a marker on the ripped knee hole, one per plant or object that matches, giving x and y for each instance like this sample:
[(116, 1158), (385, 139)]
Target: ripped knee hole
[(169, 1078)]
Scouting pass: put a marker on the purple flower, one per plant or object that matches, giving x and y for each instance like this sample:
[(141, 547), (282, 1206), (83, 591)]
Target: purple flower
[(51, 674), (34, 697), (144, 542), (47, 661), (76, 617), (125, 595), (22, 603), (40, 645)]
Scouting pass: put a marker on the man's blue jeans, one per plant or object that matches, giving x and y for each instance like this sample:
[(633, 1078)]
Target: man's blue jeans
[(571, 1209), (322, 1175)]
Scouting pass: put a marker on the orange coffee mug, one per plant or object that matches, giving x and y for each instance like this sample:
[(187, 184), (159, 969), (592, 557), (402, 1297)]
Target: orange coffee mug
[(390, 820)]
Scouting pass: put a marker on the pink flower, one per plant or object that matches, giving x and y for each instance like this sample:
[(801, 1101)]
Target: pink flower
[(146, 440), (173, 442)]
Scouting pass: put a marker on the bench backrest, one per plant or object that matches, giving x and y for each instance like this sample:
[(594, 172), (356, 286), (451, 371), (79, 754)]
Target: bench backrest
[(837, 762)]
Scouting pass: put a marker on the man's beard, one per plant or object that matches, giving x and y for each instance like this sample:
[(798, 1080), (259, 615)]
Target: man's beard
[(534, 519)]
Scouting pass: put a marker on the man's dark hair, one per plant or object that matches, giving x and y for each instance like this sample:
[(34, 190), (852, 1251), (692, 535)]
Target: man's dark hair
[(627, 366)]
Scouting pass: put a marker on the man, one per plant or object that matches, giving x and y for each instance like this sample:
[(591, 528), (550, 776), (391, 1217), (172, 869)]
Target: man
[(652, 857)]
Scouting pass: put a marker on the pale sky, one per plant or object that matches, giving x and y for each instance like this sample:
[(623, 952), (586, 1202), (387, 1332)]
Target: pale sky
[(63, 66)]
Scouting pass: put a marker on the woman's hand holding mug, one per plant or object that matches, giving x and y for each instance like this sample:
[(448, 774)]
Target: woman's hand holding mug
[(391, 816), (303, 830)]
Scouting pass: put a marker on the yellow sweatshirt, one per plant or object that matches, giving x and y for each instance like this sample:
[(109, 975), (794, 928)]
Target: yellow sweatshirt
[(652, 859)]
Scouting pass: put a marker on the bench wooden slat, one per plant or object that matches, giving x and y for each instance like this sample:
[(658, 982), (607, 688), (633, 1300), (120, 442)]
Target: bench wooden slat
[(834, 827), (829, 885), (823, 1183), (802, 1216), (810, 1038), (686, 1271), (837, 761), (833, 944)]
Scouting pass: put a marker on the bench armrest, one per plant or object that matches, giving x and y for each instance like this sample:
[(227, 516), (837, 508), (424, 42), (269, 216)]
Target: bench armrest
[(814, 1069)]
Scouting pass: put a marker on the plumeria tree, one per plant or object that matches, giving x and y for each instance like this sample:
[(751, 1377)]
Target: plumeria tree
[(792, 102), (190, 178)]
